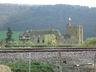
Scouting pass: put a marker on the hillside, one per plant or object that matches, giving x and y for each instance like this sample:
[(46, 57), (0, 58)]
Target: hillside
[(23, 17), (15, 35)]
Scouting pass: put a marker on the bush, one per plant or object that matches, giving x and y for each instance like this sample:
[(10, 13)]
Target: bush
[(90, 42)]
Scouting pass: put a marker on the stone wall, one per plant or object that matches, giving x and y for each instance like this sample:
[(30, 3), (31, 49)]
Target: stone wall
[(50, 57)]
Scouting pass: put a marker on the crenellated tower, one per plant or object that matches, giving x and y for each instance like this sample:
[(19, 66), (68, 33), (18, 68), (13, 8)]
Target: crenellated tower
[(75, 33)]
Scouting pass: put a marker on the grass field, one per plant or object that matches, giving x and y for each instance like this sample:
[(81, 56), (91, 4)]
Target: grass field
[(15, 35)]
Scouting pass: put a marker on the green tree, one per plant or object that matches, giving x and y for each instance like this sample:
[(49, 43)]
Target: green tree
[(29, 43), (16, 43), (90, 42), (50, 40), (21, 43), (9, 35)]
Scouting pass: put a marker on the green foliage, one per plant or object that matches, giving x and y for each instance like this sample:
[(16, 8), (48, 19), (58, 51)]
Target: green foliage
[(90, 42), (29, 43), (35, 66), (16, 43), (50, 40), (21, 43)]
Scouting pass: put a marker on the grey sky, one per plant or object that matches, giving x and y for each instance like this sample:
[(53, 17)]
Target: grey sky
[(90, 3)]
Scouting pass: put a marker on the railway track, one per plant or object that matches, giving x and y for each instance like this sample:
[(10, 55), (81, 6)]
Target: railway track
[(46, 50)]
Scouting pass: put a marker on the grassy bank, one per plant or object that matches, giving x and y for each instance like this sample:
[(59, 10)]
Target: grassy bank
[(15, 35)]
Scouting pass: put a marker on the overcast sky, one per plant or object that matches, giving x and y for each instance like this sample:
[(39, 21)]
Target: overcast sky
[(90, 3)]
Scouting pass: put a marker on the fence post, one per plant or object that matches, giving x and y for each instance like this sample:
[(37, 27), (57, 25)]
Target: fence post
[(29, 60), (94, 63)]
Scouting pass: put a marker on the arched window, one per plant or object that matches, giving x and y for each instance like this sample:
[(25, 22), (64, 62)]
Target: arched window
[(38, 40), (43, 41)]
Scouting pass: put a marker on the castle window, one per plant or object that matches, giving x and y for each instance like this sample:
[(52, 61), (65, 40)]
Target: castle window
[(38, 41), (43, 41), (27, 37), (67, 36)]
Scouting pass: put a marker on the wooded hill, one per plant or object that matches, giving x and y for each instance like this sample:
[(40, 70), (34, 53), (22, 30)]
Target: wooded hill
[(23, 17)]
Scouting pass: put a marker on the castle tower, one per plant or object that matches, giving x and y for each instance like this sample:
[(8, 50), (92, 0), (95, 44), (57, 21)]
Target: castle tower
[(68, 28), (75, 33)]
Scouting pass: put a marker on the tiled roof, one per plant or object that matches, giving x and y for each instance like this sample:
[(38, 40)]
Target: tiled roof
[(39, 32)]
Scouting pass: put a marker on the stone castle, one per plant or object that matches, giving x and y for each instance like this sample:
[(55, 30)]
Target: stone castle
[(73, 35)]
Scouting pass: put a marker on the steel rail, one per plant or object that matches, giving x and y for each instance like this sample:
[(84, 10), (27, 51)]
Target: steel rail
[(46, 50)]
